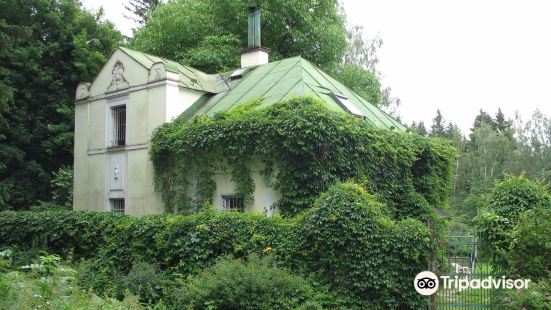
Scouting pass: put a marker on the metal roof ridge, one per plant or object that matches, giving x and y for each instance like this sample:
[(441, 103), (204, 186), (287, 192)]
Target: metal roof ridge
[(128, 51)]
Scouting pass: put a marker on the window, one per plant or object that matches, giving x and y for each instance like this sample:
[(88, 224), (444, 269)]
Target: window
[(233, 203), (344, 102), (118, 116), (117, 205)]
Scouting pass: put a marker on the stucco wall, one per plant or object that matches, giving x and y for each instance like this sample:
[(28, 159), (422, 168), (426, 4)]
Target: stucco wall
[(145, 110), (263, 197), (148, 105), (80, 199)]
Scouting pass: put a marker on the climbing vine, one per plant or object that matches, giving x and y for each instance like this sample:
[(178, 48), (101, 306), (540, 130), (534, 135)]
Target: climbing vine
[(305, 148)]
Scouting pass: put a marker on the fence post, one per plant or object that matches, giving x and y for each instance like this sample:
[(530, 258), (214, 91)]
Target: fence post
[(432, 263)]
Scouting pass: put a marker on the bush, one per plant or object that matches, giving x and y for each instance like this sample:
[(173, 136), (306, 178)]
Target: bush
[(145, 280), (363, 254), (536, 297), (530, 251), (48, 284), (62, 187), (256, 283), (346, 240), (513, 198), (516, 195)]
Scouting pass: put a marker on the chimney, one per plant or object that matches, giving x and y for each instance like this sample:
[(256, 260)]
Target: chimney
[(255, 54)]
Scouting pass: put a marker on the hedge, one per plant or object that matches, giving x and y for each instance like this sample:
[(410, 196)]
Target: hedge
[(345, 241)]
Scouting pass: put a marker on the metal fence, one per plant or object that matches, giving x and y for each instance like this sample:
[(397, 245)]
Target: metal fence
[(458, 259)]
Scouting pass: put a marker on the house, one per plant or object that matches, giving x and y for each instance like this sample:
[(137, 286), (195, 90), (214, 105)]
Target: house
[(134, 93)]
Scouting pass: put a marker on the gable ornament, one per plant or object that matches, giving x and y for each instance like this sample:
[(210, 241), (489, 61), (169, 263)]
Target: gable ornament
[(118, 75)]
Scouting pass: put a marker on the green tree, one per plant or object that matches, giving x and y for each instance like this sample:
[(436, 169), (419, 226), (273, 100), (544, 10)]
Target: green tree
[(46, 49), (419, 128), (182, 28), (361, 50), (361, 54), (503, 125), (533, 153), (140, 9), (438, 127), (361, 81), (480, 120)]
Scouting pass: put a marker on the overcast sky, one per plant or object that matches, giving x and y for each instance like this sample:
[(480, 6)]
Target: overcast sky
[(456, 56)]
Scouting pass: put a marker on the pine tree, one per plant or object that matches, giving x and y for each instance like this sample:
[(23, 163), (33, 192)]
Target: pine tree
[(438, 127), (140, 9)]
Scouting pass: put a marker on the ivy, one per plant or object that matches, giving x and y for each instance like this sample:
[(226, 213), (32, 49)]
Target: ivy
[(305, 148), (345, 242)]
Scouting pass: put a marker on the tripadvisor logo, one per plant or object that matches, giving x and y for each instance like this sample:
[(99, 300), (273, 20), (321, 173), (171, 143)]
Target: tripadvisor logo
[(427, 283)]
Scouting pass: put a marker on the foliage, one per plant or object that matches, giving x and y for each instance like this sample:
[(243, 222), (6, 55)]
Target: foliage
[(62, 187), (362, 51), (438, 125), (180, 29), (516, 195), (347, 234), (510, 199), (536, 297), (305, 148), (47, 284), (495, 147), (140, 9), (256, 283), (47, 48), (111, 245), (530, 250), (144, 280), (361, 81)]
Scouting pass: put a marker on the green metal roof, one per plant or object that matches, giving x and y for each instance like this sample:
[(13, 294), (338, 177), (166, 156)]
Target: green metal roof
[(189, 77), (285, 79), (274, 81)]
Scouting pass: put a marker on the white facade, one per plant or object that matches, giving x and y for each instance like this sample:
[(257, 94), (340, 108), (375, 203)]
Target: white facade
[(114, 119)]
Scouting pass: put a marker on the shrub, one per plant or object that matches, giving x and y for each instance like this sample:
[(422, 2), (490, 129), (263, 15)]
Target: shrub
[(145, 280), (511, 199), (112, 242), (346, 235), (516, 195), (530, 251), (536, 297), (62, 187), (363, 254), (99, 275), (255, 284), (48, 284)]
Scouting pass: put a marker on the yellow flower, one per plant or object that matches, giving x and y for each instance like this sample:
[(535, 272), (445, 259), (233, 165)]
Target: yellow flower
[(267, 250)]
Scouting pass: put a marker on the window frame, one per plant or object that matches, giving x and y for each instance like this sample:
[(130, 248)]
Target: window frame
[(346, 104), (238, 199), (112, 104), (116, 209), (118, 136)]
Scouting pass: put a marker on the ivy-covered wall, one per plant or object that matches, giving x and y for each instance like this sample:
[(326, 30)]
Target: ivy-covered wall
[(312, 148)]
